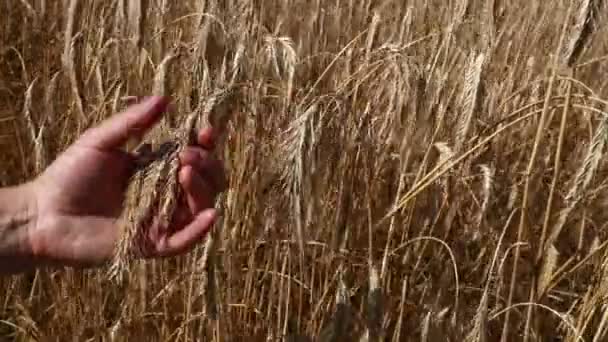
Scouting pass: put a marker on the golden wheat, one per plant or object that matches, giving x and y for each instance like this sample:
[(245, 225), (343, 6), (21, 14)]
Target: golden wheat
[(418, 170)]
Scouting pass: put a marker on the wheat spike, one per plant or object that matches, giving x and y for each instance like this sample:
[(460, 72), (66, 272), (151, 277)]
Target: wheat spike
[(152, 193), (488, 179), (160, 79), (446, 154), (217, 112), (547, 269), (583, 178), (154, 190), (143, 204), (585, 173), (581, 32), (460, 12), (29, 8), (294, 172), (470, 99), (282, 57)]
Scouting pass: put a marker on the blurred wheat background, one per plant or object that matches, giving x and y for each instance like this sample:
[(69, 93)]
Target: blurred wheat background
[(400, 170)]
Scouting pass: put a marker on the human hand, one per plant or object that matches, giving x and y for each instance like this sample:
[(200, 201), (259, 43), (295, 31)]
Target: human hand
[(79, 197)]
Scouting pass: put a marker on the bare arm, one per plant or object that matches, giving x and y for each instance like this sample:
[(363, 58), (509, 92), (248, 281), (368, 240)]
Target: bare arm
[(17, 217)]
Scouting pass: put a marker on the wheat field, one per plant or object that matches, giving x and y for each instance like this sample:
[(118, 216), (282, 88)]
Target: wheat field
[(400, 170)]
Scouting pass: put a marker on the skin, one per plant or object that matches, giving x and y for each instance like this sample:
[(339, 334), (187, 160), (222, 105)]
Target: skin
[(68, 216)]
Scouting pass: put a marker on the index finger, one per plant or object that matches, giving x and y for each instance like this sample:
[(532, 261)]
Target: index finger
[(133, 122)]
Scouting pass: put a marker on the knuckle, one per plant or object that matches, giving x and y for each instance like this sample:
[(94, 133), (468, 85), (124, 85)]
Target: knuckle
[(203, 154)]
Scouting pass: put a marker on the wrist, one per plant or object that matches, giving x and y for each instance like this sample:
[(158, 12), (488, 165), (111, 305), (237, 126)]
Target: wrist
[(18, 222)]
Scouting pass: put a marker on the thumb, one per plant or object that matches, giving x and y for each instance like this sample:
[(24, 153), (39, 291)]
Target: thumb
[(135, 121)]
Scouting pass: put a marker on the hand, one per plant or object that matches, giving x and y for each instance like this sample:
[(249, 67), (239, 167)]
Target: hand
[(79, 197)]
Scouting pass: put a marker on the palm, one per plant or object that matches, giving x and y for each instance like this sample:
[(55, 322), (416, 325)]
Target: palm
[(83, 196), (85, 181)]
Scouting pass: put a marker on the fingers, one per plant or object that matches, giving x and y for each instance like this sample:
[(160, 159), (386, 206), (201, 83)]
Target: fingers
[(206, 138), (199, 194), (185, 239), (133, 122), (208, 167)]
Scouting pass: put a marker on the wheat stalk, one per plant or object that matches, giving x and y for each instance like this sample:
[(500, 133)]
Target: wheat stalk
[(375, 306), (337, 329), (136, 21)]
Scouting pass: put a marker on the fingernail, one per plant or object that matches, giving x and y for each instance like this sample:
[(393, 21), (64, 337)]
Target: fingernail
[(210, 214), (158, 105)]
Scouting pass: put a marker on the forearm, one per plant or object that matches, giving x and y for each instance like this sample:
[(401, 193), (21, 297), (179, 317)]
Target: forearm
[(17, 217)]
